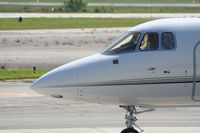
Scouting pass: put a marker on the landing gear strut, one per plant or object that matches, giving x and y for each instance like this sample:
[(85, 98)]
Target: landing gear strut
[(130, 118)]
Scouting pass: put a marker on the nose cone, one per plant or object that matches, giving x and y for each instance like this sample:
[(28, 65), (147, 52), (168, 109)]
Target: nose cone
[(61, 82)]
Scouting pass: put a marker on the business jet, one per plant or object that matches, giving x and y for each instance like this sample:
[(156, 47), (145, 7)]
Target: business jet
[(154, 64)]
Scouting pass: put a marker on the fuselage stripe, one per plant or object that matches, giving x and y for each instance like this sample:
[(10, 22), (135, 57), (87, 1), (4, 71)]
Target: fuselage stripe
[(146, 81)]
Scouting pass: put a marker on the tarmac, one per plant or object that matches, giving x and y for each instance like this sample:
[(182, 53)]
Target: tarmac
[(23, 49), (24, 111), (106, 130), (100, 15)]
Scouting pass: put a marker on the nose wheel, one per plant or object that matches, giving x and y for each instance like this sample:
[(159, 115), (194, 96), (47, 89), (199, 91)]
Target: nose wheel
[(129, 130), (130, 118)]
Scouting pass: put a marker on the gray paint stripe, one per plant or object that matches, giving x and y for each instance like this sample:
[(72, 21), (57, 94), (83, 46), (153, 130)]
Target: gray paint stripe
[(142, 81)]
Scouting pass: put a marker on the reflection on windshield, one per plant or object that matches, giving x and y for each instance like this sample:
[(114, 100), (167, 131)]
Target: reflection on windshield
[(127, 43)]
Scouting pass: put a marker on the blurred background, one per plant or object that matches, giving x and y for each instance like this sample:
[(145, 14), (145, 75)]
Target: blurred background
[(39, 35), (100, 6)]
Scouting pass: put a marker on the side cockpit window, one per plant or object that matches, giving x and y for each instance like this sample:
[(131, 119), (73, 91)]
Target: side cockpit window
[(167, 40), (150, 41)]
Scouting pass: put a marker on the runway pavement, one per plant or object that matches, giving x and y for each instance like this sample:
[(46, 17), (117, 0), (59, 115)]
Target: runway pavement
[(23, 49), (25, 111), (107, 130), (99, 15)]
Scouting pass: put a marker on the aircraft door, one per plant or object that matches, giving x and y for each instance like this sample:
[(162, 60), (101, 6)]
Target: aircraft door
[(196, 73)]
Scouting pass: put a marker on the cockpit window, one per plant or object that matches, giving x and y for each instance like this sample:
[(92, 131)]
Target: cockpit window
[(167, 40), (126, 44), (149, 41)]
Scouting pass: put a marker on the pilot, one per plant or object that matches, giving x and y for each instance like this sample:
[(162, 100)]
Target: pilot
[(145, 43)]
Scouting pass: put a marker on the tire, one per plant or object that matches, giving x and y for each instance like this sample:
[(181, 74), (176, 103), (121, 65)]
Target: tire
[(129, 130)]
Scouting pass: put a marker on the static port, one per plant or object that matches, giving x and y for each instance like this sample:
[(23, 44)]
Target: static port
[(57, 96)]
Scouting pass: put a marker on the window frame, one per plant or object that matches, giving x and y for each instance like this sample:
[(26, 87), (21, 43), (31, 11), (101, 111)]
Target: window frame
[(142, 33), (143, 38), (174, 36)]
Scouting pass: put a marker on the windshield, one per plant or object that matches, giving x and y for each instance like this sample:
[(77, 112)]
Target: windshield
[(125, 43)]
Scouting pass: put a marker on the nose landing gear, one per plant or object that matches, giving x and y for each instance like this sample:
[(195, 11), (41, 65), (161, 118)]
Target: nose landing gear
[(130, 120)]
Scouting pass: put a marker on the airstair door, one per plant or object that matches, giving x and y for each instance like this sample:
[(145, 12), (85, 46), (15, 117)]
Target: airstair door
[(196, 72)]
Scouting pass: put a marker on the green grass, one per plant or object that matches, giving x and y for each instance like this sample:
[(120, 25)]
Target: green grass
[(32, 1), (62, 23), (112, 1), (21, 74), (142, 1), (156, 10), (60, 9), (27, 8)]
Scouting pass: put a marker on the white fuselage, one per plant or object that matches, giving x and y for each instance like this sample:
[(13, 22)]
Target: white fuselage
[(155, 77)]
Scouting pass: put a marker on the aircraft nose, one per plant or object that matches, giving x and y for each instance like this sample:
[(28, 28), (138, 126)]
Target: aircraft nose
[(60, 82)]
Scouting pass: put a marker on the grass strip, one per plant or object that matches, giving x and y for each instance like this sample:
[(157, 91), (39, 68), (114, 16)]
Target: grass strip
[(21, 74), (64, 23), (141, 1), (112, 1)]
